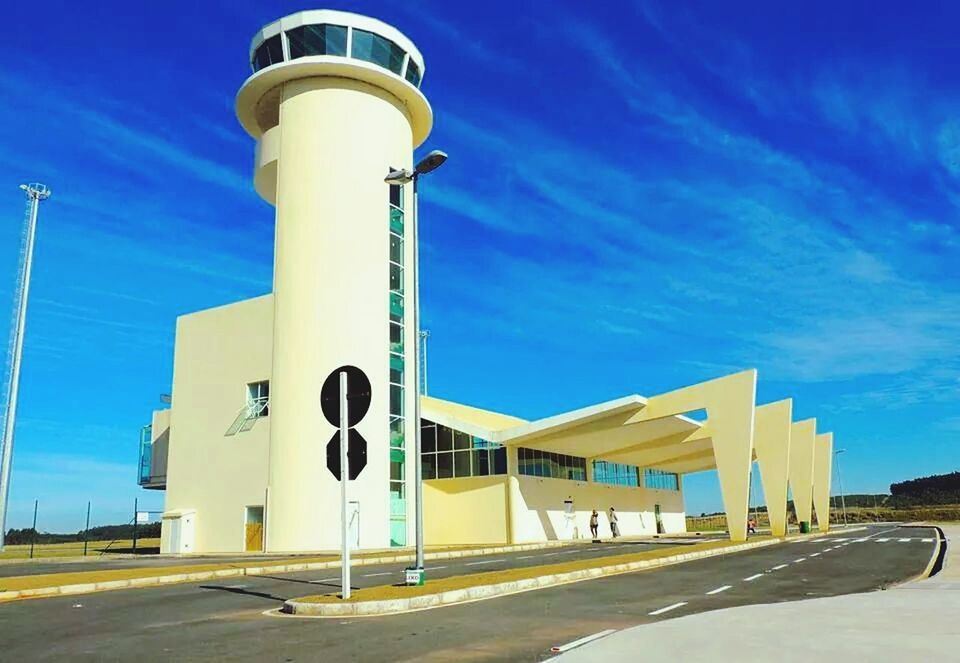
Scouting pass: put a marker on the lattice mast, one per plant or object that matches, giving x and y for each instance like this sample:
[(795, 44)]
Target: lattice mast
[(36, 193)]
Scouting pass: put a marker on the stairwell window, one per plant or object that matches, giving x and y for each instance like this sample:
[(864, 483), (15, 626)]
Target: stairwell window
[(258, 399)]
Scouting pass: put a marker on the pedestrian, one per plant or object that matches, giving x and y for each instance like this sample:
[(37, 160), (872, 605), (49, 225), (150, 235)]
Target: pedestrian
[(614, 528), (594, 524), (751, 526)]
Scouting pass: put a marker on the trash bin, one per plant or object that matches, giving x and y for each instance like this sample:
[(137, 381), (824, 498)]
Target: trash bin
[(804, 527)]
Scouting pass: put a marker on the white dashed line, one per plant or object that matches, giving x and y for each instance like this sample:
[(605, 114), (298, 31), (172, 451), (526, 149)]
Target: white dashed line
[(904, 540), (325, 579), (840, 540), (549, 554), (882, 540), (524, 556), (434, 568), (777, 568), (487, 561), (753, 577), (719, 589), (927, 540), (582, 641), (814, 554), (373, 575), (802, 559), (667, 609), (866, 538)]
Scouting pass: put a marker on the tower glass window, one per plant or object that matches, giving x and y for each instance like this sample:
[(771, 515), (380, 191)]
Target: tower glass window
[(413, 72), (378, 50), (268, 53), (317, 40)]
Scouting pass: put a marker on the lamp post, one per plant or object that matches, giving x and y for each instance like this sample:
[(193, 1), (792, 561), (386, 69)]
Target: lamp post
[(429, 163), (843, 501), (424, 336)]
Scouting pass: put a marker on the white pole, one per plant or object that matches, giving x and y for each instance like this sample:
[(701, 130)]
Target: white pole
[(35, 194), (418, 465), (344, 478)]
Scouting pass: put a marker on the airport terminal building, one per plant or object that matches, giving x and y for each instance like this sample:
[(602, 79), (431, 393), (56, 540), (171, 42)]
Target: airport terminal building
[(334, 105)]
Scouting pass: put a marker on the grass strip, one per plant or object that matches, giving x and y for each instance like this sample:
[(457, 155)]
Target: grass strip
[(389, 592), (37, 581)]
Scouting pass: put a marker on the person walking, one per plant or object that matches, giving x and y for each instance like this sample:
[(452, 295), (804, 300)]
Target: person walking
[(594, 524), (751, 526), (614, 527)]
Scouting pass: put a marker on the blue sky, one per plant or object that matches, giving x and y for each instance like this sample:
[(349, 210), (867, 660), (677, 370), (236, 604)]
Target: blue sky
[(639, 196)]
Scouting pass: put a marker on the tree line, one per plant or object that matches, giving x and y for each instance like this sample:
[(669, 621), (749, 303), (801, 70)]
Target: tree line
[(101, 533), (934, 489)]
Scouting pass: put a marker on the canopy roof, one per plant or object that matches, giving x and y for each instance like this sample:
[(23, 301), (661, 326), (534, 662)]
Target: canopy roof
[(615, 431)]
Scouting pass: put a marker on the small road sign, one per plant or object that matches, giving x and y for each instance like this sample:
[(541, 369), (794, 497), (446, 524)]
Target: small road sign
[(358, 395), (356, 454)]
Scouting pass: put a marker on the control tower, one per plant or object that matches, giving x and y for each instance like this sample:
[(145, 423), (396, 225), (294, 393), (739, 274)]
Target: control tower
[(334, 104)]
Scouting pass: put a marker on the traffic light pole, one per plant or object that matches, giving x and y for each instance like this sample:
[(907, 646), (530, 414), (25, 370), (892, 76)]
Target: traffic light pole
[(344, 478)]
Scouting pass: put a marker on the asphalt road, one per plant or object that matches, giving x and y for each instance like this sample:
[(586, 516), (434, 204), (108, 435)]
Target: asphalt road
[(226, 620)]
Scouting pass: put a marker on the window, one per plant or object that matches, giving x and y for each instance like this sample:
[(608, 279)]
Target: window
[(538, 463), (449, 453), (413, 72), (268, 53), (616, 474), (258, 399), (378, 50), (317, 40), (660, 480), (398, 508)]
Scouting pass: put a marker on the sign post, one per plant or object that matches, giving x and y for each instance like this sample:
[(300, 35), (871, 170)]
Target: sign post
[(344, 479)]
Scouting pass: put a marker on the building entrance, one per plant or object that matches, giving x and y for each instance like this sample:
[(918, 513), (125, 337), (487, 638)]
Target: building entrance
[(253, 529)]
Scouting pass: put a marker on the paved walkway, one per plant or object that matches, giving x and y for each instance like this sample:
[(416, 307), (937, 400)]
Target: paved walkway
[(916, 621)]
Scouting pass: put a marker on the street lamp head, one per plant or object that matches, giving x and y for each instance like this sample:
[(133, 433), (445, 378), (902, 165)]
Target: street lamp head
[(399, 177), (430, 162)]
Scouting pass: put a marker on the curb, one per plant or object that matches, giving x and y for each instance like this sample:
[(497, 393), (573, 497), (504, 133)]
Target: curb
[(151, 581), (394, 606)]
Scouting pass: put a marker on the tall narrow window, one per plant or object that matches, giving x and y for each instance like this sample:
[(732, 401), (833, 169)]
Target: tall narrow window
[(397, 359)]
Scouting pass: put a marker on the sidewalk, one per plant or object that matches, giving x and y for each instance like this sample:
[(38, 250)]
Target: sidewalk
[(916, 621)]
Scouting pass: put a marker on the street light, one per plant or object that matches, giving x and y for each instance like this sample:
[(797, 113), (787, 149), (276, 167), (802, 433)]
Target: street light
[(843, 501), (428, 164)]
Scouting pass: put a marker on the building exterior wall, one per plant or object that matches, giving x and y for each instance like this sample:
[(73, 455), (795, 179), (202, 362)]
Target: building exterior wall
[(539, 512), (217, 353), (338, 140), (472, 510)]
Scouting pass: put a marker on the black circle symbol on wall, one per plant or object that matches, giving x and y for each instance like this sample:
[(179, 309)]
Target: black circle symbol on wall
[(358, 396)]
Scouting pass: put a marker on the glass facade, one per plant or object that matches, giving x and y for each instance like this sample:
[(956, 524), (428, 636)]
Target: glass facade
[(660, 480), (146, 455), (317, 40), (378, 50), (268, 53), (537, 463), (451, 454), (616, 474), (398, 493), (324, 39)]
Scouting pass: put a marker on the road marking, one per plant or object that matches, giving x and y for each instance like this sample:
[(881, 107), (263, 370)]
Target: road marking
[(814, 554), (372, 575), (927, 540), (667, 609), (487, 561), (866, 538), (719, 589), (753, 577), (882, 540), (777, 568), (524, 556), (434, 568), (583, 641), (840, 540), (904, 540), (325, 579), (802, 559), (549, 554)]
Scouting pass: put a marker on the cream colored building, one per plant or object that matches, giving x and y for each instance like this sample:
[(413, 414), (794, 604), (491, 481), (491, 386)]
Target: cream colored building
[(334, 105)]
